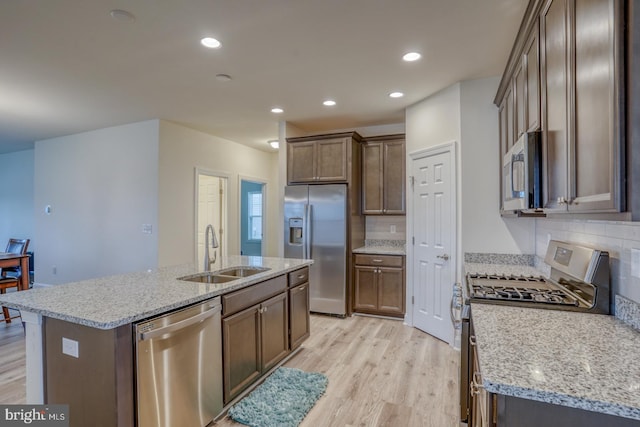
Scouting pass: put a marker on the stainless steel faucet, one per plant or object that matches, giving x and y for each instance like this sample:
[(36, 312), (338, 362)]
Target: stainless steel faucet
[(214, 244)]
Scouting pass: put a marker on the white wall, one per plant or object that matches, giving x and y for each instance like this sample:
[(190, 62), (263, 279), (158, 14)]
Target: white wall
[(101, 186), (16, 196), (182, 150), (482, 227), (434, 121)]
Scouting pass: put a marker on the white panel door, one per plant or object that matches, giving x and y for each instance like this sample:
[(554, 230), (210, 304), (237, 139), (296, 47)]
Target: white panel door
[(434, 243), (211, 210)]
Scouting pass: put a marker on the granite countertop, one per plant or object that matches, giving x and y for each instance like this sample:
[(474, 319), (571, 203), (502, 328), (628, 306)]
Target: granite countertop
[(382, 247), (380, 250), (109, 302), (581, 360), (500, 269)]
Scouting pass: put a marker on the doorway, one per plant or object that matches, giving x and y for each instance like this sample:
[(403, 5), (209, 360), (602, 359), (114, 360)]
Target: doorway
[(433, 253), (211, 208), (252, 218)]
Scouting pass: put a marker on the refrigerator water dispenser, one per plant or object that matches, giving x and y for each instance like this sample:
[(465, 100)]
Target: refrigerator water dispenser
[(295, 231)]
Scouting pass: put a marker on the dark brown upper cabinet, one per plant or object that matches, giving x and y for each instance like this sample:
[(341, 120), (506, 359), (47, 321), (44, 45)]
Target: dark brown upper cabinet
[(383, 175), (322, 158), (565, 77)]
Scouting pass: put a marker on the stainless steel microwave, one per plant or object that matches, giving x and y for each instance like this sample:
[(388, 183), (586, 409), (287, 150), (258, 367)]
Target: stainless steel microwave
[(522, 174)]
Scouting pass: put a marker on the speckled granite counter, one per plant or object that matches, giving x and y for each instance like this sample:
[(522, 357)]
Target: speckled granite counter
[(506, 264), (109, 302), (382, 247), (580, 360), (498, 269)]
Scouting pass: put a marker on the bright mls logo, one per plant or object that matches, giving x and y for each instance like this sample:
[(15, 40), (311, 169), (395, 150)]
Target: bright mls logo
[(34, 415)]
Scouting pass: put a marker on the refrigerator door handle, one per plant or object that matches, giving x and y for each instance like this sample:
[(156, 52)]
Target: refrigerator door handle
[(306, 232)]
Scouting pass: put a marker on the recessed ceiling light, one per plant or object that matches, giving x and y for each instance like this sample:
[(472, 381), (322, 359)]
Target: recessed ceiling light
[(122, 15), (277, 110), (411, 56), (329, 103), (396, 95), (210, 42), (223, 77), (274, 144)]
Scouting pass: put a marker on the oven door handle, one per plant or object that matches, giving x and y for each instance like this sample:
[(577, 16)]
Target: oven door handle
[(456, 304)]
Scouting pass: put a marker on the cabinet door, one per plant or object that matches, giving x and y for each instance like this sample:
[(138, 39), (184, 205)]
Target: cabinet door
[(366, 292), (502, 121), (274, 320), (241, 342), (519, 99), (595, 171), (508, 107), (301, 161), (391, 290), (394, 178), (532, 85), (331, 160), (555, 137), (372, 178), (299, 321)]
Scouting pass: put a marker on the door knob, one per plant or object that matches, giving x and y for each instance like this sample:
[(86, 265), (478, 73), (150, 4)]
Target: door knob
[(444, 257)]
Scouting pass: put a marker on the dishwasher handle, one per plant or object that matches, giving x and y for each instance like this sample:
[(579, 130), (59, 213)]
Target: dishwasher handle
[(181, 324)]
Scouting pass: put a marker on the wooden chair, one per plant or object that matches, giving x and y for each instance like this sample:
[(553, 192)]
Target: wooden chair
[(15, 246), (7, 283), (12, 279)]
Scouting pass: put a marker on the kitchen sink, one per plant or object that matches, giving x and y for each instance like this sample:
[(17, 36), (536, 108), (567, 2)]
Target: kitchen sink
[(225, 275), (242, 271), (208, 278)]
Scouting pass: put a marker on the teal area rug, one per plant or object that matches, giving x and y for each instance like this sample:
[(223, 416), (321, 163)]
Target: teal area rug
[(282, 400)]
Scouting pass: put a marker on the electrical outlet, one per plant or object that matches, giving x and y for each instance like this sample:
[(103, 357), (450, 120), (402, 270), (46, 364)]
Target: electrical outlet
[(54, 270), (147, 228), (393, 229), (70, 347)]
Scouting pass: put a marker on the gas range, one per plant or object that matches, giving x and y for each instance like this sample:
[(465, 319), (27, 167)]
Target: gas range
[(579, 281), (518, 289)]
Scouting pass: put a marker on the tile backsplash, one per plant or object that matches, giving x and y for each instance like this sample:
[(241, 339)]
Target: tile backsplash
[(619, 238), (385, 227)]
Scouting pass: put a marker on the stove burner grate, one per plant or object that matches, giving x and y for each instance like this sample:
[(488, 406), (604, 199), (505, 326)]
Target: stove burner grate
[(517, 289)]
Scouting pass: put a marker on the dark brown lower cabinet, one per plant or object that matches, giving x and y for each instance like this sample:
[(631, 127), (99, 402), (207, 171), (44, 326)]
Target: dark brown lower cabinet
[(242, 362), (299, 321), (254, 341), (514, 411), (274, 323), (379, 286)]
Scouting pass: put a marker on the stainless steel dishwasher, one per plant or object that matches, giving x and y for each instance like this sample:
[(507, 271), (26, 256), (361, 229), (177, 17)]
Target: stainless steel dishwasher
[(179, 367)]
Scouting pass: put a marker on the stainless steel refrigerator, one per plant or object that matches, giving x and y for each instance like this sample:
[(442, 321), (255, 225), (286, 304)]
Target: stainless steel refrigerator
[(315, 226)]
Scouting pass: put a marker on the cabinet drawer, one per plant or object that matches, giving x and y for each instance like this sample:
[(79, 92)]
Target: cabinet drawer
[(380, 260), (298, 276), (251, 295)]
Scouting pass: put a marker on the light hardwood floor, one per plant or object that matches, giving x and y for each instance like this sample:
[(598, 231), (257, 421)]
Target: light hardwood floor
[(381, 373)]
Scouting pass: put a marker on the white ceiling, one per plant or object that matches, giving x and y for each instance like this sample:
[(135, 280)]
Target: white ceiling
[(66, 66)]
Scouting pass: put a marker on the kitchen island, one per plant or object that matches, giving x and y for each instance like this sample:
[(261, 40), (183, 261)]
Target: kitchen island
[(103, 312)]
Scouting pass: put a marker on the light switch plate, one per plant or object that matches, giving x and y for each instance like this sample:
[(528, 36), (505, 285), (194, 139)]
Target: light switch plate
[(635, 263), (70, 347)]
